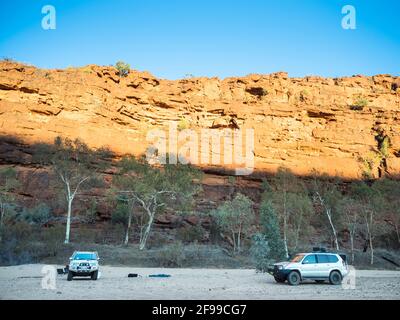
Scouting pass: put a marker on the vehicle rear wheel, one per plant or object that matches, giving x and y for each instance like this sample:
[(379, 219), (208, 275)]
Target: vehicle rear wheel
[(95, 275), (70, 275), (335, 278), (279, 279), (319, 281), (294, 278)]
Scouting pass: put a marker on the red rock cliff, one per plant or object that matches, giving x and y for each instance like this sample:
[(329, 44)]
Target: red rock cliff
[(301, 123)]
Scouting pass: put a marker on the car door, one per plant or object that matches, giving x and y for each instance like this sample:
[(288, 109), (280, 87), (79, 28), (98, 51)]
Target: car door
[(309, 266), (324, 265)]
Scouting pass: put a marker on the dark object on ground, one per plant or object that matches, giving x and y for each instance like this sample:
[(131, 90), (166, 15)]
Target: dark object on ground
[(162, 275), (132, 275), (62, 270)]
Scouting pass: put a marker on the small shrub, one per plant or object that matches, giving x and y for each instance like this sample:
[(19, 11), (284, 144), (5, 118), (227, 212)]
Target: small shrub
[(270, 227), (85, 235), (123, 68), (191, 233), (91, 213), (120, 214), (359, 104), (303, 95), (53, 239), (172, 256), (260, 252), (39, 215), (232, 180), (183, 124)]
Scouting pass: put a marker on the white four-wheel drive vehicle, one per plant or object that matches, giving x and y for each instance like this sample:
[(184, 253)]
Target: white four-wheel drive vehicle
[(318, 266), (83, 263)]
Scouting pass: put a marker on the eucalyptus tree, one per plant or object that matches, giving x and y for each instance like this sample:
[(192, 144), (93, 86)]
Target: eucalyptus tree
[(76, 166), (152, 190)]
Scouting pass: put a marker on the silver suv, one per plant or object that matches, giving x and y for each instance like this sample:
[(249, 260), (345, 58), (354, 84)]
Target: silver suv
[(83, 263), (318, 266)]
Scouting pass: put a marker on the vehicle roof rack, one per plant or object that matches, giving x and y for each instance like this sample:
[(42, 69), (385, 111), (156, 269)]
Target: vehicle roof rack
[(319, 249)]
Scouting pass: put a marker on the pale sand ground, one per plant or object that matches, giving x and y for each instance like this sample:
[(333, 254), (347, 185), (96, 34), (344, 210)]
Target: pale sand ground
[(24, 282)]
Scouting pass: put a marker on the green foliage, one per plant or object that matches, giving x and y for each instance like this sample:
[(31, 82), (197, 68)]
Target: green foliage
[(75, 165), (384, 146), (183, 124), (52, 237), (91, 213), (235, 217), (120, 213), (359, 104), (303, 95), (72, 160), (369, 164), (8, 182), (289, 198), (39, 215), (170, 185), (260, 252), (270, 229), (153, 189), (172, 256), (123, 68), (191, 233), (232, 180)]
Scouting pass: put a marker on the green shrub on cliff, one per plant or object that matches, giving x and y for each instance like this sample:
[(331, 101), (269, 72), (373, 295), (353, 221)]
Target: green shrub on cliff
[(123, 68)]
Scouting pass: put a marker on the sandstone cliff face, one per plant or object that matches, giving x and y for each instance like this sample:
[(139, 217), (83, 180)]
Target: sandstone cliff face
[(300, 123)]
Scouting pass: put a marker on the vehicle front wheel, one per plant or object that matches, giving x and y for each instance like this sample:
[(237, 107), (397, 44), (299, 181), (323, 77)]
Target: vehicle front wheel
[(95, 275), (279, 279), (294, 278), (335, 278), (70, 275)]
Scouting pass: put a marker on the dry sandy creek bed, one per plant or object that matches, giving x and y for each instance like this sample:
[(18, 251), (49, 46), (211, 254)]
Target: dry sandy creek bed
[(25, 282)]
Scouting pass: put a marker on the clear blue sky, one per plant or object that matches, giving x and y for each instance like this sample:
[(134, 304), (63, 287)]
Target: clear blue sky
[(172, 38)]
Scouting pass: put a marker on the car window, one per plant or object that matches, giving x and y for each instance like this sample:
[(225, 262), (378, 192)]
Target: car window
[(323, 258), (310, 259), (332, 258), (85, 256), (297, 258)]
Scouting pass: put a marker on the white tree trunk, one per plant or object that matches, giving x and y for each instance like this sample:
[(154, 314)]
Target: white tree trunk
[(68, 226), (128, 228), (369, 221), (352, 246), (146, 232), (238, 241), (285, 226), (328, 213)]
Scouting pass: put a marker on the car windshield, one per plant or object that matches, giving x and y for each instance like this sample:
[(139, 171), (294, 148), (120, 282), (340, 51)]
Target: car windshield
[(85, 256), (297, 258)]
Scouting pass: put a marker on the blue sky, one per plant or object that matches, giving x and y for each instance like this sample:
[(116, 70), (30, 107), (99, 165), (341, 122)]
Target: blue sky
[(172, 38)]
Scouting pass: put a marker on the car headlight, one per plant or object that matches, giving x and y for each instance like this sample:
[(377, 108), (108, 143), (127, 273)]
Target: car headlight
[(280, 267)]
